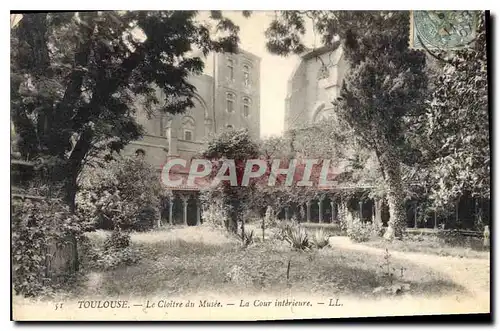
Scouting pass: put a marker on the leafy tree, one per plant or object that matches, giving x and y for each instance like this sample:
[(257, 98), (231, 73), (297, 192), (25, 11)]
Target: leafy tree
[(76, 79), (453, 133), (384, 85), (234, 145)]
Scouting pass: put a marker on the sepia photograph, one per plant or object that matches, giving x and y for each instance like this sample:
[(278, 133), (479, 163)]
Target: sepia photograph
[(182, 165)]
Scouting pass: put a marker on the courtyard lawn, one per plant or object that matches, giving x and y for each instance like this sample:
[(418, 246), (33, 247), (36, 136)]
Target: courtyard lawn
[(187, 260), (201, 263), (466, 247)]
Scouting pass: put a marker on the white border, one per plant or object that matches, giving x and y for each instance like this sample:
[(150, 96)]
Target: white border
[(199, 5)]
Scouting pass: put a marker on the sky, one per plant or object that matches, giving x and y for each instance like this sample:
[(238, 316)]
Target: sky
[(274, 70)]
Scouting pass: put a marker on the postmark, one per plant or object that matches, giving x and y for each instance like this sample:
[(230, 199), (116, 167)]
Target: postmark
[(444, 30)]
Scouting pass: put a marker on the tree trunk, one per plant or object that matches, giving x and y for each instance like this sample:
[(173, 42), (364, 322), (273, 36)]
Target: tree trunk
[(395, 197)]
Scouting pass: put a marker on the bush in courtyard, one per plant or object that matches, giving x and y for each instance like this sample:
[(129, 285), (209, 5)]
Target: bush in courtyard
[(36, 225), (114, 258), (116, 251), (117, 240), (215, 212), (147, 218), (358, 231), (247, 238), (320, 239), (124, 193), (284, 229), (297, 237)]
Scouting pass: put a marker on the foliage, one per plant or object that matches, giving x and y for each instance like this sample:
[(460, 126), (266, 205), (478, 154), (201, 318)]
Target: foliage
[(283, 229), (385, 83), (387, 269), (297, 237), (247, 238), (358, 231), (35, 226), (117, 240), (389, 277), (115, 251), (320, 239), (237, 146), (125, 194), (452, 134), (215, 212), (113, 258), (77, 77)]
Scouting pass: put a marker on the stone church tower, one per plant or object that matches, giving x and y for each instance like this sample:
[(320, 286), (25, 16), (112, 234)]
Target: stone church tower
[(314, 83)]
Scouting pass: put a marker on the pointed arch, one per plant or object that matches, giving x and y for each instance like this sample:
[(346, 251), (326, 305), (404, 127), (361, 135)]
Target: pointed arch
[(203, 104), (316, 110)]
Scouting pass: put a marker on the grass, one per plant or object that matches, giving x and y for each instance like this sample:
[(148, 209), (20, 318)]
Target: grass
[(329, 229), (189, 260), (464, 247)]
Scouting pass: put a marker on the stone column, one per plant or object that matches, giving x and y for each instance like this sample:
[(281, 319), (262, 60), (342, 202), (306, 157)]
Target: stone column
[(286, 213), (308, 211), (435, 220), (320, 210), (198, 212), (332, 206), (360, 203), (185, 205), (171, 210), (415, 215)]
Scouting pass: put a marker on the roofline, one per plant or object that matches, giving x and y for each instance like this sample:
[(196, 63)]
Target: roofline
[(245, 52), (310, 53)]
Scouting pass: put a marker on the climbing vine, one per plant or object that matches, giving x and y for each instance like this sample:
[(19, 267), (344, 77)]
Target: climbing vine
[(36, 224)]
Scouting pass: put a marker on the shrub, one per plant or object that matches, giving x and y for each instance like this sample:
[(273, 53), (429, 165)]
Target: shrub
[(113, 258), (320, 239), (117, 240), (269, 219), (125, 193), (247, 238), (358, 231), (114, 252), (297, 237), (215, 212), (146, 219), (284, 229)]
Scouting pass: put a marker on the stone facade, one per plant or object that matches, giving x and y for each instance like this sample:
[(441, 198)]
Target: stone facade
[(314, 83), (227, 97)]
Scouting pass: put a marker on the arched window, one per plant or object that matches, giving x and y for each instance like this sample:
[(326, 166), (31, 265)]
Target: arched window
[(246, 75), (230, 68), (140, 153), (188, 126), (246, 107), (229, 127), (229, 102)]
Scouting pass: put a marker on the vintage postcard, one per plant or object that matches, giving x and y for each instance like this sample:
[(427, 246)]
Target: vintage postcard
[(249, 165)]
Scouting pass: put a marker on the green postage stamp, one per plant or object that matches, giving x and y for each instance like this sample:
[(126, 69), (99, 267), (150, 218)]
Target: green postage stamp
[(445, 30)]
